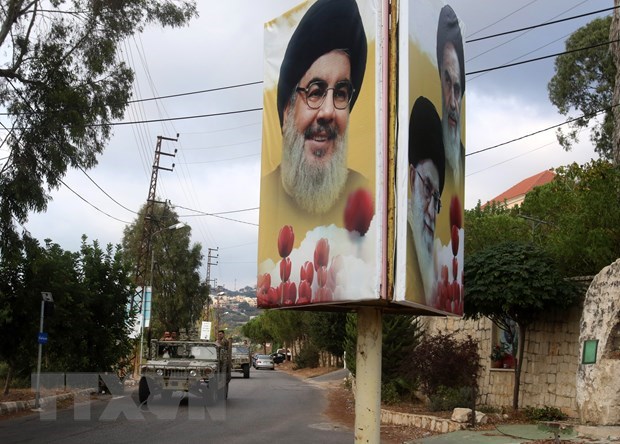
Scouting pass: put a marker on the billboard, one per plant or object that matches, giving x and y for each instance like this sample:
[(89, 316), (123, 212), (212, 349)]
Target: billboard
[(321, 206), (430, 158)]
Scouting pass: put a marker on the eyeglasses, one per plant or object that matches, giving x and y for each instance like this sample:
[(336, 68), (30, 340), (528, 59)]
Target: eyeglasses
[(315, 93), (431, 192)]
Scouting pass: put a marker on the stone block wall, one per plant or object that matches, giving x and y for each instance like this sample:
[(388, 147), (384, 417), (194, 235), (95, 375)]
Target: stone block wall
[(551, 358)]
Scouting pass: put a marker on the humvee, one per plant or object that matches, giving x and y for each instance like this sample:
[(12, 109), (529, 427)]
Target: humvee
[(241, 359), (198, 367)]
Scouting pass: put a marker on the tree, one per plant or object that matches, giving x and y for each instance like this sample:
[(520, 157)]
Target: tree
[(62, 83), (256, 330), (327, 330), (514, 281), (179, 297), (584, 81), (614, 37), (89, 330), (400, 335), (579, 213), (491, 225)]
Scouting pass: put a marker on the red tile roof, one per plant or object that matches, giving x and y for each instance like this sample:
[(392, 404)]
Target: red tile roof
[(525, 186)]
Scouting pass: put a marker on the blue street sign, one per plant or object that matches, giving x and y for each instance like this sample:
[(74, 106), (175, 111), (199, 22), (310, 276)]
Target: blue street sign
[(42, 337)]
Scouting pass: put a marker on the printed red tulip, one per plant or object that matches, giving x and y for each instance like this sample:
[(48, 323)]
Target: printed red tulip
[(444, 274), (455, 240), (305, 293), (264, 282), (286, 238), (289, 293), (307, 272), (321, 253), (273, 297), (324, 294), (359, 211), (285, 269), (321, 276), (455, 267), (456, 216)]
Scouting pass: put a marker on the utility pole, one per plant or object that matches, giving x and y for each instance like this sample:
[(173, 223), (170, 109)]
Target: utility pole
[(148, 229), (147, 226), (210, 257)]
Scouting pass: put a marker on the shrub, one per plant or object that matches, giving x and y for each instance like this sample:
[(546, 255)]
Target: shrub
[(449, 398), (545, 413), (442, 361), (308, 357)]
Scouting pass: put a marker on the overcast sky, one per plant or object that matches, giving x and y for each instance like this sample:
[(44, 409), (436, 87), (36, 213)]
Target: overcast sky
[(218, 160)]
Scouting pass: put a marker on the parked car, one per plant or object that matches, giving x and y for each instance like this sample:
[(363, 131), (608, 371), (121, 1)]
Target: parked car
[(264, 361), (278, 358)]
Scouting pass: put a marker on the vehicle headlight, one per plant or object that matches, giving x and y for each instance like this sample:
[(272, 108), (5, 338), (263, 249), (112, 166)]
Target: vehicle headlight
[(160, 372), (192, 373)]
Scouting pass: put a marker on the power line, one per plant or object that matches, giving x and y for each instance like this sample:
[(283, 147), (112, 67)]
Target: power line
[(593, 114), (509, 65), (541, 25)]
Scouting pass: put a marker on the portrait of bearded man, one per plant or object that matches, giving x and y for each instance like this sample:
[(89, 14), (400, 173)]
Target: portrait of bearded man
[(320, 79)]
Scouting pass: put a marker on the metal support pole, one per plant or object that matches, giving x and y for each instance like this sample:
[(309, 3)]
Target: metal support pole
[(368, 376), (38, 394), (144, 307)]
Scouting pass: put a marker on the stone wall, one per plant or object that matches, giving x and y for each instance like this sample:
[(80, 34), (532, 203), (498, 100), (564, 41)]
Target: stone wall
[(551, 358), (598, 384)]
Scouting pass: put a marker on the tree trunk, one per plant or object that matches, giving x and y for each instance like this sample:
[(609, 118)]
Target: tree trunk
[(7, 383), (614, 35), (515, 397)]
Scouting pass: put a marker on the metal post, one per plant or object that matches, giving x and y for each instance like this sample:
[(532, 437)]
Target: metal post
[(144, 307), (37, 394), (368, 376)]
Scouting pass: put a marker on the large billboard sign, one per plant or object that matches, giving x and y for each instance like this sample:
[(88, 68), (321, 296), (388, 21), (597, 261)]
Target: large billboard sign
[(430, 158), (321, 216), (346, 218)]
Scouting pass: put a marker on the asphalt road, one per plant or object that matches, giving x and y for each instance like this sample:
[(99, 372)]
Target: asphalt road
[(270, 407)]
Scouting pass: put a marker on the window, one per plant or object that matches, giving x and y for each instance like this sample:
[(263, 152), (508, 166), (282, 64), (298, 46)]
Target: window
[(504, 345)]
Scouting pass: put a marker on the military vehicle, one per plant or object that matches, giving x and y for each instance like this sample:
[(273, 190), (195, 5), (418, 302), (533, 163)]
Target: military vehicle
[(241, 359), (198, 367)]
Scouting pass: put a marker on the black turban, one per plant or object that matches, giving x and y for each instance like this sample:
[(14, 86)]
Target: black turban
[(425, 137), (448, 30), (327, 25)]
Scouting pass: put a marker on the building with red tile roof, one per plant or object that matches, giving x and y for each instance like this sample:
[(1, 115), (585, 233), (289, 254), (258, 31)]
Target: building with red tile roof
[(516, 194)]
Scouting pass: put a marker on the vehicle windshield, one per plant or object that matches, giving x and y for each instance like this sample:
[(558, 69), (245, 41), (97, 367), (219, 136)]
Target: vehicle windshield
[(239, 349), (204, 353), (184, 350), (264, 356)]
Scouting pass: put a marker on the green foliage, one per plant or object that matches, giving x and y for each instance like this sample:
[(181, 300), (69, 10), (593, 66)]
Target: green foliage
[(515, 280), (492, 224), (449, 398), (581, 213), (396, 390), (584, 81), (256, 331), (327, 331), (89, 330), (62, 84), (442, 361), (179, 296), (308, 356), (545, 413), (400, 336)]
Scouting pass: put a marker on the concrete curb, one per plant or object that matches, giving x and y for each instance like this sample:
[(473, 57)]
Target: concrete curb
[(17, 406)]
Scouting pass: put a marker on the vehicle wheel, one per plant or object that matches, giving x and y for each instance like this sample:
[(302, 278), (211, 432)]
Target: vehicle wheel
[(246, 371), (143, 390), (211, 394)]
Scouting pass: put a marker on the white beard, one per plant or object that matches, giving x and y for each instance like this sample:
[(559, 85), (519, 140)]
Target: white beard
[(452, 146), (423, 245), (314, 188)]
